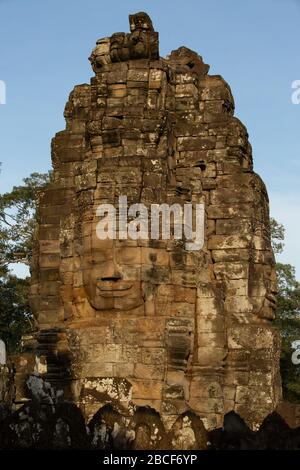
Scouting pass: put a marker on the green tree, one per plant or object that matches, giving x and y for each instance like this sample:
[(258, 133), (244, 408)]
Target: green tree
[(277, 236), (17, 225), (15, 314), (287, 317), (18, 218)]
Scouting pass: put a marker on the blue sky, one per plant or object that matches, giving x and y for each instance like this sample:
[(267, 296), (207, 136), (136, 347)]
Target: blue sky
[(44, 49)]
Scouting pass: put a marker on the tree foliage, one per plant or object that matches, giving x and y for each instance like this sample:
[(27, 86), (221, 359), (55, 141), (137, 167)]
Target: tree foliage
[(17, 219), (287, 317), (17, 225), (277, 236), (15, 314)]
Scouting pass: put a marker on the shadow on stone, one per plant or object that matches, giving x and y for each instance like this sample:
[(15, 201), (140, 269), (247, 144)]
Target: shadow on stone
[(188, 433), (39, 426), (149, 430), (235, 435), (108, 430)]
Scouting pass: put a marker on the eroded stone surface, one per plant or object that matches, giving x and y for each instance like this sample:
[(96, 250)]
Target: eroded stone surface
[(146, 323)]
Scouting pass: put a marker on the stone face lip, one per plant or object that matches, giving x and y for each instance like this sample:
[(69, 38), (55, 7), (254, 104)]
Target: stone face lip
[(134, 323)]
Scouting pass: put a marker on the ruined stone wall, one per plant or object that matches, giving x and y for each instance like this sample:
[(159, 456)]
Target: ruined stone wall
[(194, 331)]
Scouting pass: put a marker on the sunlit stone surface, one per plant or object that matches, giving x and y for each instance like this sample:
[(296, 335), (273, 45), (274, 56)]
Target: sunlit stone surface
[(146, 322)]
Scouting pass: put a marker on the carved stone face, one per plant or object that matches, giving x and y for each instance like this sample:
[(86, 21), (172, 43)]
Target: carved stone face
[(179, 325), (124, 275), (108, 281), (263, 291)]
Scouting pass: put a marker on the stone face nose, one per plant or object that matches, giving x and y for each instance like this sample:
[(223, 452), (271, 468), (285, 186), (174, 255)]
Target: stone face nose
[(110, 273)]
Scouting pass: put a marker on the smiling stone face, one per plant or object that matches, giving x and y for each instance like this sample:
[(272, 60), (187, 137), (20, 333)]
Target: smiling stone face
[(186, 329), (126, 274), (263, 291), (109, 282)]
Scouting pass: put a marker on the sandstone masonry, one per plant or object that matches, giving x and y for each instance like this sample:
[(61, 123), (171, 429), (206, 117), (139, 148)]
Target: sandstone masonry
[(135, 323)]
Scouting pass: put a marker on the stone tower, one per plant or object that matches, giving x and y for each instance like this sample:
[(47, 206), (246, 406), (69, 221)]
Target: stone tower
[(146, 322)]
